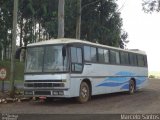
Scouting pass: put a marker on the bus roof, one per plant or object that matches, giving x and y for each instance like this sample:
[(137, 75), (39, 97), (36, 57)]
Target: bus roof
[(71, 40)]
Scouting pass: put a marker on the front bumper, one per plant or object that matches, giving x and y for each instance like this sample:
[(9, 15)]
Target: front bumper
[(62, 93)]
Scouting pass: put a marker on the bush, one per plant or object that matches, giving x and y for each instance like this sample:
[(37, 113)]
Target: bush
[(151, 76)]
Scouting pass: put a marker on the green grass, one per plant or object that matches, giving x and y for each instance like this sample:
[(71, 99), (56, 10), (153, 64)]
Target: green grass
[(19, 70)]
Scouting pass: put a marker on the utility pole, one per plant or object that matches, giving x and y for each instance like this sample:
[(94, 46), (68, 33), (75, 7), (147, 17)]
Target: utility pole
[(61, 18), (78, 26), (14, 36)]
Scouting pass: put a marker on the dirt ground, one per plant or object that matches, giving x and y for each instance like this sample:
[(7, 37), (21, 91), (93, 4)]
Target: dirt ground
[(144, 101)]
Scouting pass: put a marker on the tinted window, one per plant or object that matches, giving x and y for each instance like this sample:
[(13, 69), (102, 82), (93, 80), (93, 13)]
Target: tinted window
[(90, 54), (106, 56), (76, 57), (141, 61), (74, 54), (114, 57), (145, 60), (87, 53), (124, 58), (93, 54), (133, 59), (100, 55), (79, 55), (103, 55)]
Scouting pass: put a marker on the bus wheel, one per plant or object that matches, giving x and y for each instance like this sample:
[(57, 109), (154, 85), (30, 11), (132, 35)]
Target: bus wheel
[(84, 93), (132, 87)]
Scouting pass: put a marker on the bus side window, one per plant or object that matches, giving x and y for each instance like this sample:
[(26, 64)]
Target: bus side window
[(76, 59), (103, 55), (93, 54), (133, 59), (87, 53), (114, 57), (106, 56), (124, 58), (141, 61), (90, 54), (145, 59)]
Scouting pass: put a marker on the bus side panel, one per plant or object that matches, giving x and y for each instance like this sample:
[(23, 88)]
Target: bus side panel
[(75, 85), (141, 82), (113, 78)]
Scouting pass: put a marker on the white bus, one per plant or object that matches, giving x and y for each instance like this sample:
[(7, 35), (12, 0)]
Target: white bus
[(65, 68)]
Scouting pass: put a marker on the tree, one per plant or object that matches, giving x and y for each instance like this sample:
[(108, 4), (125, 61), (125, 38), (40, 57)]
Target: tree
[(101, 22), (50, 20), (70, 18), (124, 40), (61, 18), (6, 7), (151, 5), (38, 20), (14, 35), (78, 22)]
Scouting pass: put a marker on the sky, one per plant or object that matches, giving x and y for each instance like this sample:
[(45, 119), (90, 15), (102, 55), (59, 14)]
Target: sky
[(143, 30)]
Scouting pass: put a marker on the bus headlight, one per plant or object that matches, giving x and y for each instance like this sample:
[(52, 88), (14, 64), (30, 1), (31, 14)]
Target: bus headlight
[(55, 92), (58, 92), (28, 92), (61, 93)]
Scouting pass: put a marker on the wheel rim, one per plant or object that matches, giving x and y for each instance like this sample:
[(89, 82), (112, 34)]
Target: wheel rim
[(84, 92), (132, 87)]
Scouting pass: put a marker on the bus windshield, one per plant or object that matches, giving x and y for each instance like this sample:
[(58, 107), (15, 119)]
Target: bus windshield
[(46, 59)]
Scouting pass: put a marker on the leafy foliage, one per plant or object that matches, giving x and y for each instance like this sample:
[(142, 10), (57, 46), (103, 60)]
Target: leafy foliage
[(151, 5), (5, 23), (101, 22), (38, 20)]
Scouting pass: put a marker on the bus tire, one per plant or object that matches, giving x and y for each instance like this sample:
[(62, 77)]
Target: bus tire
[(132, 87), (84, 93)]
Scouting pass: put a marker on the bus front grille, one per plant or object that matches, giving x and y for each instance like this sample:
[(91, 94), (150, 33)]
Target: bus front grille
[(43, 85)]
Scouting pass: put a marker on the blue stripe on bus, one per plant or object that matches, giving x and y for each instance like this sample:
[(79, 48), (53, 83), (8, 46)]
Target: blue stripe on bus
[(111, 84), (119, 81)]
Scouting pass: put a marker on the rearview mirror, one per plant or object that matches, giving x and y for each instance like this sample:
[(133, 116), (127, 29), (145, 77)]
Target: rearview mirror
[(64, 51)]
